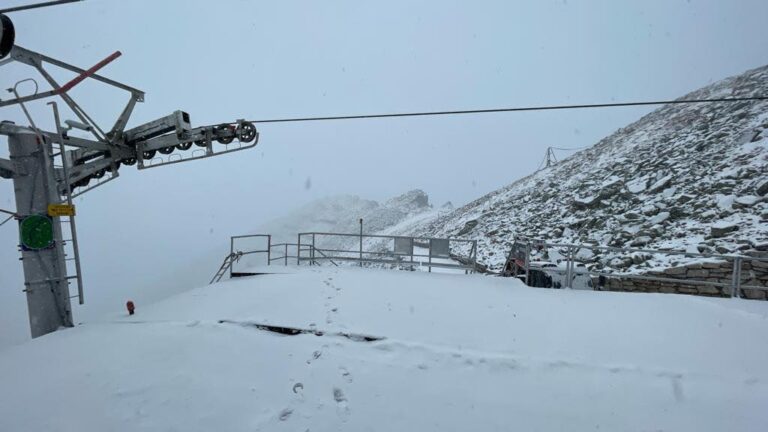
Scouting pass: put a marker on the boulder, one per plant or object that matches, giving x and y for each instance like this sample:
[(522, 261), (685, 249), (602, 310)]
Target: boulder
[(746, 201), (659, 218), (641, 241), (469, 226), (762, 187), (660, 184), (586, 202), (723, 228)]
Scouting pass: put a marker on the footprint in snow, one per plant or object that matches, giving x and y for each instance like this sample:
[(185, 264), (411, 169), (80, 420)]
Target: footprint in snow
[(345, 374), (315, 355), (342, 405), (285, 414)]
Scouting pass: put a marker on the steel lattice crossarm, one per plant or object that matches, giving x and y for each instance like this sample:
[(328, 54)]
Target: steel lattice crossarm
[(156, 143)]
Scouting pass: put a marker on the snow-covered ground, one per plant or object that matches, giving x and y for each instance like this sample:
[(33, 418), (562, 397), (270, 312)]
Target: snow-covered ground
[(458, 353)]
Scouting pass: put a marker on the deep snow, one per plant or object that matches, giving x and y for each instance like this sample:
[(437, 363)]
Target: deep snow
[(460, 353)]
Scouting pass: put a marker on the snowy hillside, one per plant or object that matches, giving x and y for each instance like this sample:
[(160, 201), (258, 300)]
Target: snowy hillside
[(397, 351), (688, 177)]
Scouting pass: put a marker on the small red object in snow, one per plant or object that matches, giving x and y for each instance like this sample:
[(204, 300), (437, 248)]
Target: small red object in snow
[(129, 305)]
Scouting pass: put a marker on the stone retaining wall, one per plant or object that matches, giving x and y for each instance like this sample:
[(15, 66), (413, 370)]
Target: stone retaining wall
[(752, 273)]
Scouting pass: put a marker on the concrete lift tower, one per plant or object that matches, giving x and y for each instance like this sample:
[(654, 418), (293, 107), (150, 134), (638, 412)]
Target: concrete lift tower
[(50, 168)]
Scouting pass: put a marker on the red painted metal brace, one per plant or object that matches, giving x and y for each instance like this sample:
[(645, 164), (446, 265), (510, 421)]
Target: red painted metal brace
[(78, 79)]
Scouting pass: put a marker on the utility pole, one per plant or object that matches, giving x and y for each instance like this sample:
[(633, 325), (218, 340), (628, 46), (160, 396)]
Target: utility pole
[(551, 159)]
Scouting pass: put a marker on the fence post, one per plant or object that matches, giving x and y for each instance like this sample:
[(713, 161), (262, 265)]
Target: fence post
[(736, 279), (569, 268), (269, 249), (429, 252), (298, 250), (312, 251), (527, 263), (286, 254), (231, 251), (361, 242)]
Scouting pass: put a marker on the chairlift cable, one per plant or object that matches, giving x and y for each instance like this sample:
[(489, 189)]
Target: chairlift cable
[(514, 109), (36, 6)]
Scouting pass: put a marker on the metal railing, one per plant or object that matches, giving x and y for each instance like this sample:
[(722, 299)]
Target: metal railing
[(232, 250), (396, 251), (314, 248), (525, 250)]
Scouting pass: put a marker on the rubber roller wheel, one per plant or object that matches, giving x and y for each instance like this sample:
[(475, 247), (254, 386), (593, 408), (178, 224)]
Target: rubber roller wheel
[(246, 132), (148, 154), (100, 173), (184, 146), (7, 36), (82, 182), (201, 143), (222, 139), (167, 150), (129, 161)]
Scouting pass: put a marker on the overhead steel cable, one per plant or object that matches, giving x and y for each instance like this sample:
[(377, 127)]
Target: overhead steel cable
[(514, 109), (37, 5)]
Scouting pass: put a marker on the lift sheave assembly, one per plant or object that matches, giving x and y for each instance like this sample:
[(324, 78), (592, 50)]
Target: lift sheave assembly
[(49, 168)]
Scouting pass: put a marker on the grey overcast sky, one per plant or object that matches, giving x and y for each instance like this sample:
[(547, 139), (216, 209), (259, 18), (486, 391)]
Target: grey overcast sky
[(228, 59)]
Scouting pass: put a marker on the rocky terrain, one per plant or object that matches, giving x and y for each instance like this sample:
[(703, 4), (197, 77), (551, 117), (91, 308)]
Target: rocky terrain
[(688, 177)]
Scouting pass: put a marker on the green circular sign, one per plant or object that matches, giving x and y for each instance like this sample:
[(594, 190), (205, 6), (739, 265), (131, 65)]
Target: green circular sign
[(36, 232)]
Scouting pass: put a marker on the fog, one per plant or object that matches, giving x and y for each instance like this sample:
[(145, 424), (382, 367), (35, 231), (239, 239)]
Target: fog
[(151, 233)]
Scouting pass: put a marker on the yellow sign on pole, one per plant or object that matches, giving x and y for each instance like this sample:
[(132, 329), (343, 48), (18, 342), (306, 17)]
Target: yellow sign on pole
[(61, 210)]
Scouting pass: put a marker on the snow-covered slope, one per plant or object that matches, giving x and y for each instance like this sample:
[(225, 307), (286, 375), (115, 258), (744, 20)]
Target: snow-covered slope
[(454, 352), (688, 177)]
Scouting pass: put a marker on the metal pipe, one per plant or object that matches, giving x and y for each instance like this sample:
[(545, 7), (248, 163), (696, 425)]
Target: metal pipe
[(89, 72), (68, 193), (430, 257), (737, 277), (527, 264), (361, 242), (231, 245)]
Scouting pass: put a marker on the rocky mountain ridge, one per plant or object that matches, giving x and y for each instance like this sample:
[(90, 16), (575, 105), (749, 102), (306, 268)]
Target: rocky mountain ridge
[(689, 177)]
